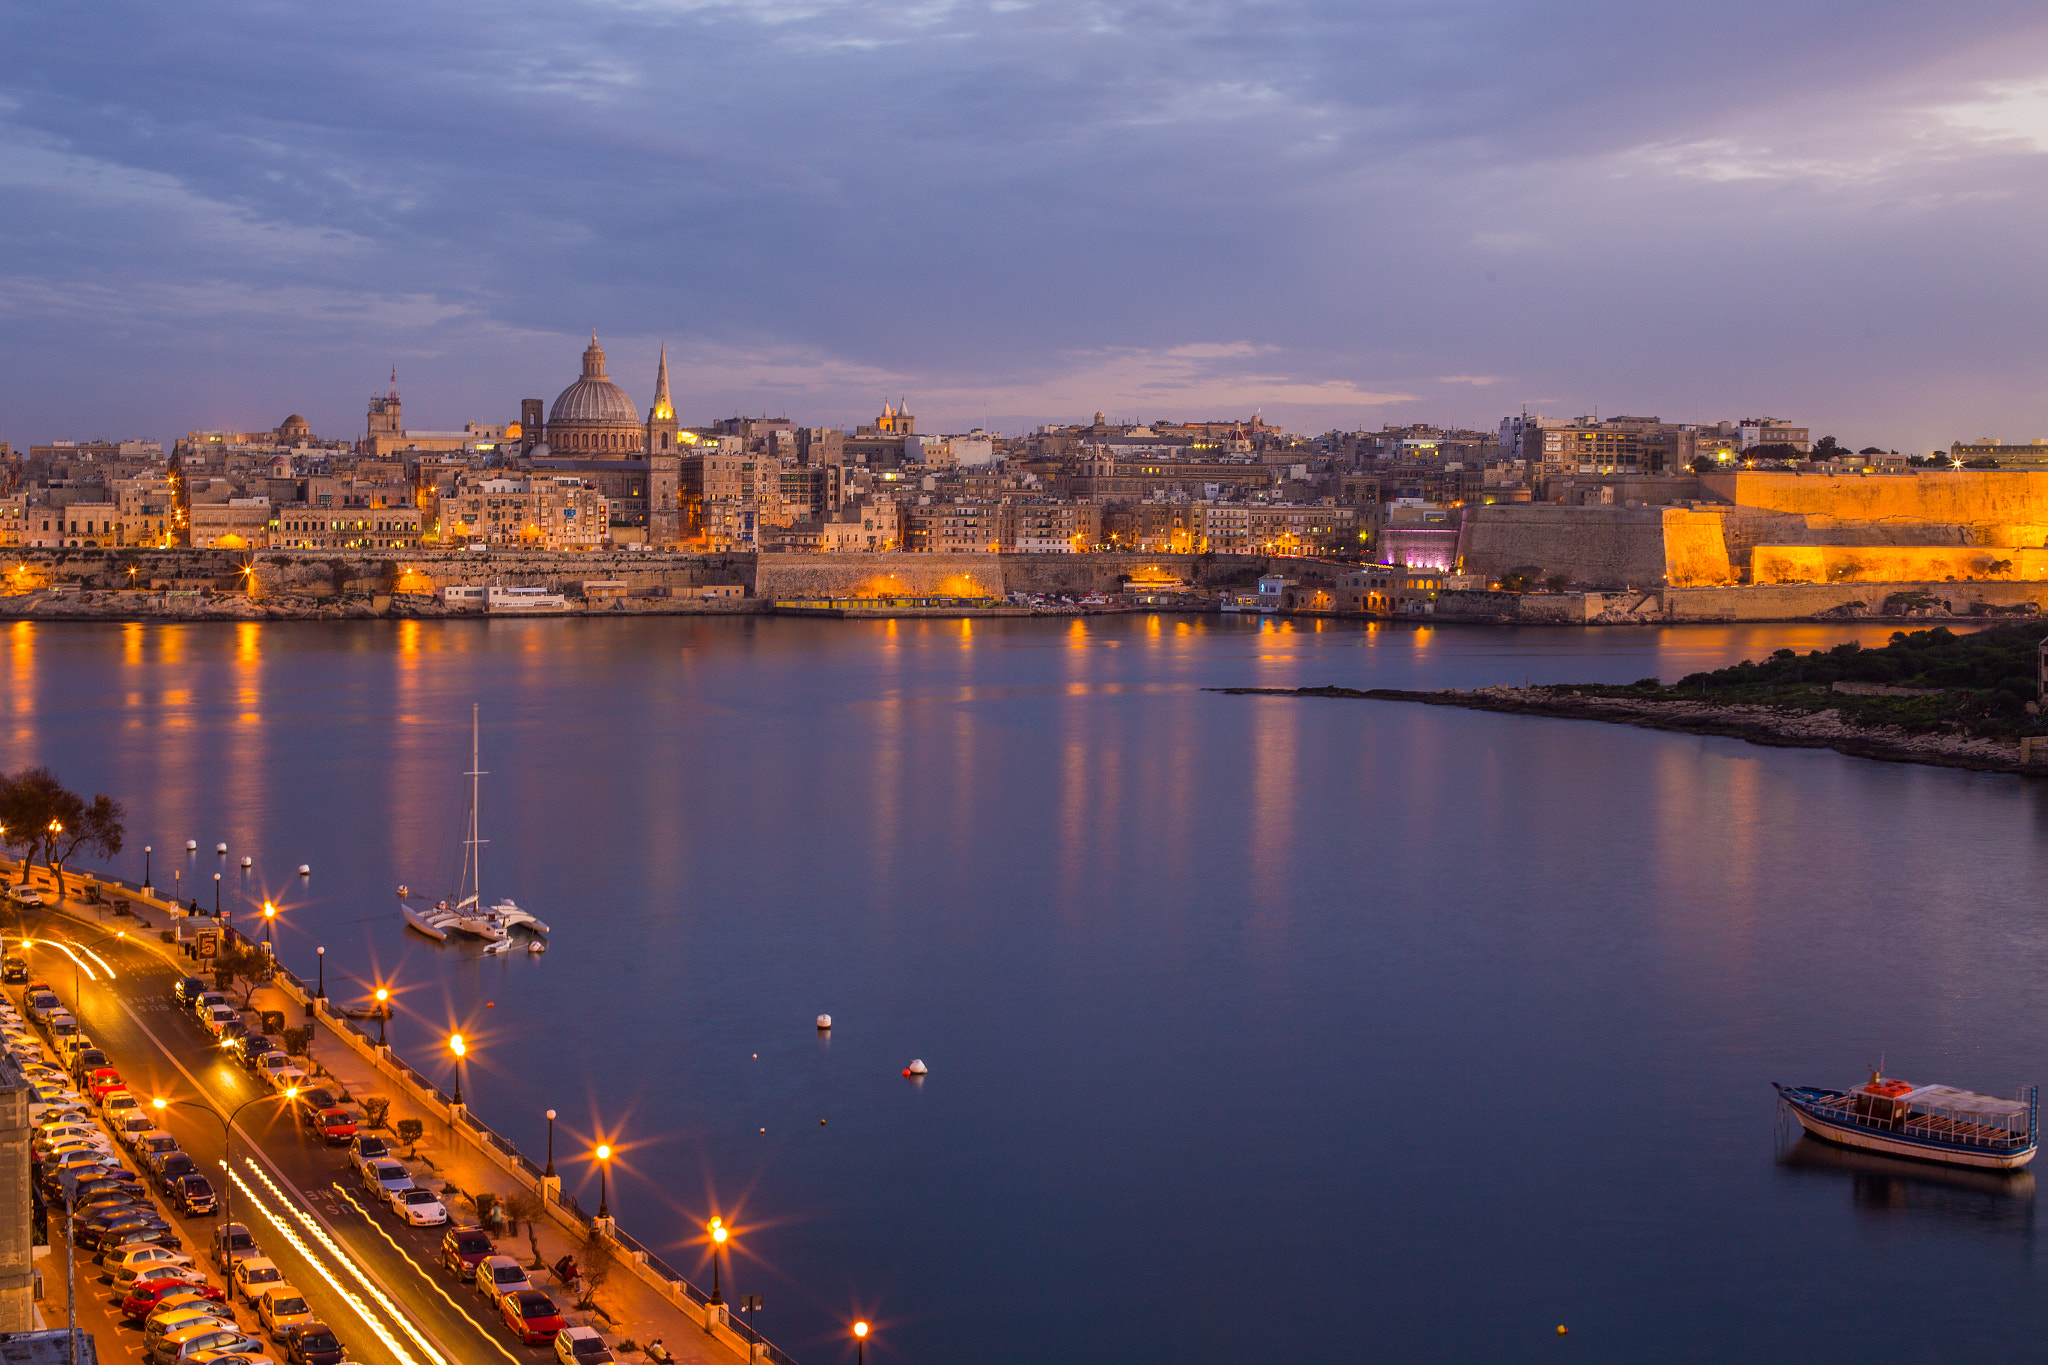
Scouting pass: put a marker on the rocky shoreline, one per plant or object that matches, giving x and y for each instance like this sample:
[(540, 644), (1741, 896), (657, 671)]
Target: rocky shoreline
[(1778, 727)]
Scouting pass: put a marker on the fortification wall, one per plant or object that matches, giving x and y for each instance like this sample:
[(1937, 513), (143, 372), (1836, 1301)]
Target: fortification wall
[(1594, 545), (1895, 564), (1076, 575), (2000, 507), (879, 575)]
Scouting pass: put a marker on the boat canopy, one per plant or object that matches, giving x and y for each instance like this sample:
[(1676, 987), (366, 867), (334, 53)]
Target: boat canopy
[(1943, 1099)]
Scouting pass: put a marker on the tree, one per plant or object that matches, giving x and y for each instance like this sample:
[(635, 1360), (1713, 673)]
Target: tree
[(42, 815), (599, 1260), (410, 1131), (1702, 464), (242, 967), (1826, 448), (526, 1207), (376, 1109)]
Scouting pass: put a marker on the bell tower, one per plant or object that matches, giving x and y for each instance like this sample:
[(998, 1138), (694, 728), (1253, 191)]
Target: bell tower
[(661, 418)]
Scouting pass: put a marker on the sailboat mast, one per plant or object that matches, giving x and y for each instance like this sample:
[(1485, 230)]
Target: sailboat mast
[(476, 845)]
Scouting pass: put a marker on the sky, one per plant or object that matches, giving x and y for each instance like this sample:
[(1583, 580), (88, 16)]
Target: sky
[(1340, 213)]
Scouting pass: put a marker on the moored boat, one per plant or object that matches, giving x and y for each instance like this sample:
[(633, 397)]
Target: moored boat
[(433, 921), (1924, 1122)]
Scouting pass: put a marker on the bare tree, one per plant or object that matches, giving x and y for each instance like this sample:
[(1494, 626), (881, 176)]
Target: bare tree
[(599, 1261), (526, 1207)]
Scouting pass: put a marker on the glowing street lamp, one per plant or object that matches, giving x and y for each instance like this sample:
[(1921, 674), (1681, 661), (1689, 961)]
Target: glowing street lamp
[(716, 1227), (383, 1013), (461, 1051), (604, 1160), (860, 1337), (269, 918)]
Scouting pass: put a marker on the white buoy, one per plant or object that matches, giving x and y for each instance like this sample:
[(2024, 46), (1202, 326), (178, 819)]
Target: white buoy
[(305, 869), (916, 1068), (536, 947), (825, 1021), (245, 862), (220, 848), (191, 845)]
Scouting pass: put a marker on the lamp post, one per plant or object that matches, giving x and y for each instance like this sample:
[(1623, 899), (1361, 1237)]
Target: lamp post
[(321, 994), (147, 887), (216, 895), (227, 1129), (860, 1337), (550, 1171), (718, 1235), (604, 1207), (269, 918), (55, 830), (383, 1013), (461, 1050)]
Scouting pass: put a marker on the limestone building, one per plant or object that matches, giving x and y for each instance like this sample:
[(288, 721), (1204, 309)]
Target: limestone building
[(595, 417)]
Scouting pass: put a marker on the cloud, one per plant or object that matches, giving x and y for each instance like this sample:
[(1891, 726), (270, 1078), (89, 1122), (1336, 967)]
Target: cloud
[(1477, 381)]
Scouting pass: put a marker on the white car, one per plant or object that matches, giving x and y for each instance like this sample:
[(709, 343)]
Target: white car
[(130, 1128), (255, 1274), (581, 1346), (24, 895), (126, 1268), (421, 1208), (287, 1078)]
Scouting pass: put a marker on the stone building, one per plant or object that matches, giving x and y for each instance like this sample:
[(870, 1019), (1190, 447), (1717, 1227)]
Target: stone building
[(595, 417), (17, 1276)]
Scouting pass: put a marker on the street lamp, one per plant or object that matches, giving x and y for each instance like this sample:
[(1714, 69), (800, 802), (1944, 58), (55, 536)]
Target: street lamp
[(227, 1128), (383, 1013), (461, 1050), (321, 994), (860, 1337), (216, 895), (718, 1235), (550, 1171), (604, 1157), (269, 918), (146, 883)]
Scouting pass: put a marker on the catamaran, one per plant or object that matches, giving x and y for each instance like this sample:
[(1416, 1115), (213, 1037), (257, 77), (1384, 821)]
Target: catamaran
[(1926, 1122), (466, 913)]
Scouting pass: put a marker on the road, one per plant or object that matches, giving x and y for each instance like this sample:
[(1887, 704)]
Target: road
[(377, 1282)]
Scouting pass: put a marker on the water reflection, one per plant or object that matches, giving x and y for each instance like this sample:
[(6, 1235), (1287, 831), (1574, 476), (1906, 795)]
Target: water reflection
[(1980, 1201)]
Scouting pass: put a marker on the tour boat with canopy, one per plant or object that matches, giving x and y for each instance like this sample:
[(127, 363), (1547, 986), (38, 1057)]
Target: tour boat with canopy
[(1927, 1122)]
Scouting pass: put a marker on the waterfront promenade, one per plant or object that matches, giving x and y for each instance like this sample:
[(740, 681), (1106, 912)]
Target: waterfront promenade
[(129, 1016)]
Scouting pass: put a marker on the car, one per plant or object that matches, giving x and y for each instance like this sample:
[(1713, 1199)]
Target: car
[(118, 1106), (462, 1248), (168, 1169), (51, 1137), (231, 1358), (204, 1002), (187, 989), (364, 1149), (77, 1159), (72, 1045), (24, 895), (232, 1242), (219, 1017), (159, 1295), (126, 1265), (581, 1346), (497, 1276), (220, 1341), (285, 1079), (13, 968), (167, 1274), (153, 1143), (87, 1062), (38, 1004), (251, 1046), (193, 1194), (103, 1082), (131, 1226), (385, 1178), (314, 1344), (131, 1128), (531, 1315), (160, 1323), (231, 1032), (267, 1062), (421, 1208), (254, 1275), (281, 1309), (337, 1125)]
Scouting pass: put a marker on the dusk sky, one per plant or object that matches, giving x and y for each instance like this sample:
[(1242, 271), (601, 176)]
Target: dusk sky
[(1010, 212)]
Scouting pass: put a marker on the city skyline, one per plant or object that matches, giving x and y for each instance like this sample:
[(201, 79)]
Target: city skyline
[(1023, 214)]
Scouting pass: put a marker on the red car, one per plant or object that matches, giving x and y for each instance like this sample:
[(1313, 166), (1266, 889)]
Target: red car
[(531, 1315), (462, 1249), (147, 1294), (337, 1126), (105, 1082)]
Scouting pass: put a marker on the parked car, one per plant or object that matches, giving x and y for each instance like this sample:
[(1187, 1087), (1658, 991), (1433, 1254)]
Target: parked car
[(221, 1340), (187, 990), (13, 968), (463, 1248), (366, 1149), (314, 1098), (103, 1082), (497, 1276), (254, 1275), (421, 1208), (531, 1315), (219, 1017), (169, 1169), (162, 1323), (87, 1062), (231, 1032), (581, 1346), (147, 1299), (385, 1178), (38, 1004), (24, 895), (204, 1002), (252, 1046), (336, 1125), (130, 1226), (314, 1344), (282, 1308), (194, 1195), (173, 1347), (271, 1061), (285, 1079), (232, 1242), (125, 1267), (153, 1143), (131, 1128), (118, 1106)]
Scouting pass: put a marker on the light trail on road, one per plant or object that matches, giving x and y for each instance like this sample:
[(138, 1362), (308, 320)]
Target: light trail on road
[(423, 1273)]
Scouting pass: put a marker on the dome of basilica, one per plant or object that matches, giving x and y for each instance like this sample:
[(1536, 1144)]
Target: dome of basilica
[(593, 414)]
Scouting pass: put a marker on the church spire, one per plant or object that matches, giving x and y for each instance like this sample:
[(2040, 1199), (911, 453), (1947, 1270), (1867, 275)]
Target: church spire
[(664, 410)]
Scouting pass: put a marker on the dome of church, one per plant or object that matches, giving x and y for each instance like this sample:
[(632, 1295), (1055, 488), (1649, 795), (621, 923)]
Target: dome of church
[(594, 398), (294, 428)]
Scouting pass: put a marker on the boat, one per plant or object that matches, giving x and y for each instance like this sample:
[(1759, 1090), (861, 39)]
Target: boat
[(433, 921), (1925, 1122), (503, 945), (468, 914), (512, 917)]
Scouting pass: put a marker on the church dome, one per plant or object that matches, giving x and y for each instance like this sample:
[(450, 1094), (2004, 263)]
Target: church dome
[(594, 398)]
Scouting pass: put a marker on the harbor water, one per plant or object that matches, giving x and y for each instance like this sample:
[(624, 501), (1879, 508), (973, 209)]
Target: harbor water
[(1257, 1027)]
